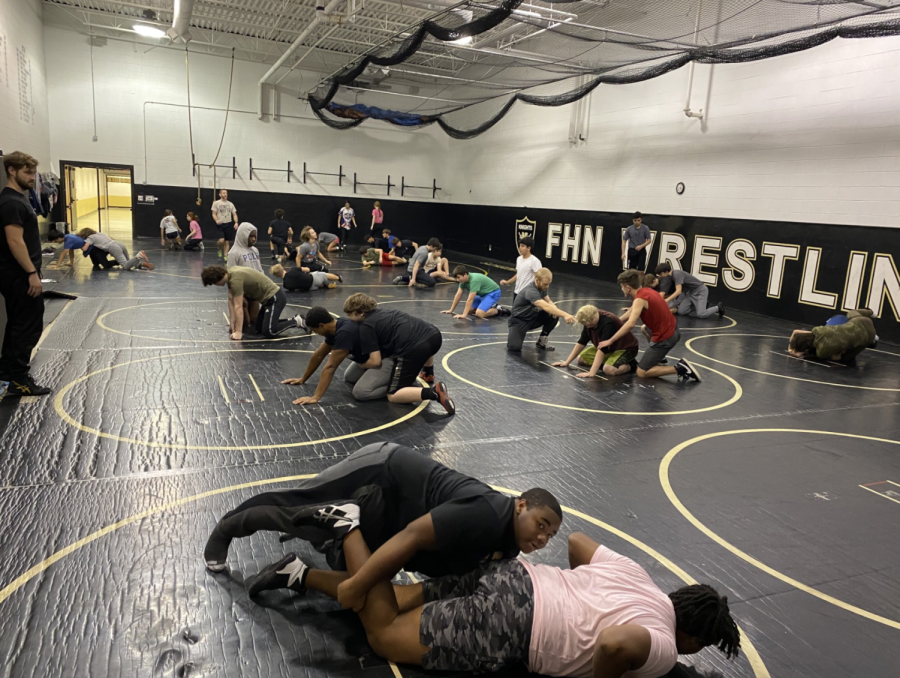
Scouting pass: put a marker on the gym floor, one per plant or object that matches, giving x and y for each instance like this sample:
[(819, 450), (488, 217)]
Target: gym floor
[(775, 480)]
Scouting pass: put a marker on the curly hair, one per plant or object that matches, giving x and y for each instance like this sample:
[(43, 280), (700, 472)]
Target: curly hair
[(702, 613)]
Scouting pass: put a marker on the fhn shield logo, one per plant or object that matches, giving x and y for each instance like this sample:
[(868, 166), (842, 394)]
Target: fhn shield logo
[(524, 227)]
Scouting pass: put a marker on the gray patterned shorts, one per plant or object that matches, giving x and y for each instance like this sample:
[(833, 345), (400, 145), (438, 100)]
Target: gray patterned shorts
[(478, 622)]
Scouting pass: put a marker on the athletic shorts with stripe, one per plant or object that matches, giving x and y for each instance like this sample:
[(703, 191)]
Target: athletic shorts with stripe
[(407, 366), (480, 621), (614, 359)]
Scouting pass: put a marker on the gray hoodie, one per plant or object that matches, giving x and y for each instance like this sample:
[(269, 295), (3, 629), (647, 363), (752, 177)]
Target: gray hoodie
[(241, 254)]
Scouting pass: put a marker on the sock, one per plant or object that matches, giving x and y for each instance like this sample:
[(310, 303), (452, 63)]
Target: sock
[(428, 371), (429, 394)]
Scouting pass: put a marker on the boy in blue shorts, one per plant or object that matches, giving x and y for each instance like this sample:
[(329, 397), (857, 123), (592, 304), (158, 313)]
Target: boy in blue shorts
[(484, 295)]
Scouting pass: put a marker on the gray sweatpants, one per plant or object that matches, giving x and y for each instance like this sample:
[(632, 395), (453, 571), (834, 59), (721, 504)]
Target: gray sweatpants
[(320, 279), (120, 253), (370, 384), (695, 301)]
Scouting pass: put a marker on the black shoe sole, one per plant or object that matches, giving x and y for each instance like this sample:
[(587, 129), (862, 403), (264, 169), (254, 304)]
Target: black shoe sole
[(266, 580)]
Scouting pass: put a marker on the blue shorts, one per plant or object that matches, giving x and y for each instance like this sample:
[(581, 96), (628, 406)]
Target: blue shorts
[(487, 301)]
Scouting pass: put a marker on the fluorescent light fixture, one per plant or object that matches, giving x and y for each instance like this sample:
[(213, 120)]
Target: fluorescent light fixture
[(148, 31), (462, 41)]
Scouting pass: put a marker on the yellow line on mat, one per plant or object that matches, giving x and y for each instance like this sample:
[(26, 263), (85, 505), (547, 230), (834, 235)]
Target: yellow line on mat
[(883, 496), (222, 386), (258, 392)]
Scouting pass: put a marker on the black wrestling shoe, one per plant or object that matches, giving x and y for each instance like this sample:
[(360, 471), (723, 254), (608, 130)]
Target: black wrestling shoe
[(503, 311), (340, 279), (25, 387), (687, 371), (721, 309), (398, 280), (288, 573), (444, 398), (341, 519)]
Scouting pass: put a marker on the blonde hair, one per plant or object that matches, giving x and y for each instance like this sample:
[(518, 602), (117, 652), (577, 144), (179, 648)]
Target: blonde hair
[(543, 274), (377, 205), (86, 232), (304, 234), (587, 315), (359, 303), (277, 270)]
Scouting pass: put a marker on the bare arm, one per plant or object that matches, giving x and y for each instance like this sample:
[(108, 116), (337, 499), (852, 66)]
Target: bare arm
[(334, 361), (456, 299), (16, 240), (643, 245), (413, 273), (581, 549), (373, 361), (237, 316), (674, 294), (633, 316), (510, 280), (314, 361), (546, 305), (620, 649), (388, 560), (234, 214), (62, 255), (574, 354), (468, 307)]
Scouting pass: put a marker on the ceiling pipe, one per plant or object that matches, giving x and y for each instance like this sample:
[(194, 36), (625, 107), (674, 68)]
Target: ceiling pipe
[(323, 14), (181, 20)]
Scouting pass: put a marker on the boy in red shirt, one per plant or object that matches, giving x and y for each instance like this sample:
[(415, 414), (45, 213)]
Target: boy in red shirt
[(651, 309)]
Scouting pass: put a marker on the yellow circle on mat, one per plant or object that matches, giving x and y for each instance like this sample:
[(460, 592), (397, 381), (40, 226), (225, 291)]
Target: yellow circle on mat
[(774, 374), (738, 391), (61, 411), (756, 662), (676, 502)]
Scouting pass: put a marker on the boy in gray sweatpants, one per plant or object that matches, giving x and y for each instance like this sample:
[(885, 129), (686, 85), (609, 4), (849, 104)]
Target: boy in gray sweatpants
[(690, 295), (117, 250)]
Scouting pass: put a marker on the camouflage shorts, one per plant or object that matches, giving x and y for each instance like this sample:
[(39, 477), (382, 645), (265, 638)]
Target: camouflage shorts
[(480, 621)]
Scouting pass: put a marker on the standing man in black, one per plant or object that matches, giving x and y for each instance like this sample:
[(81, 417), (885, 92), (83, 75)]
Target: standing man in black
[(20, 276)]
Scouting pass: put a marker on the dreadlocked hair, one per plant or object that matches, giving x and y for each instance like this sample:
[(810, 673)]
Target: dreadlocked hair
[(702, 613)]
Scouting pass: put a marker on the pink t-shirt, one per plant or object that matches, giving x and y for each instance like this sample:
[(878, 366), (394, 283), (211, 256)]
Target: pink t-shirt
[(378, 215), (572, 607), (195, 230)]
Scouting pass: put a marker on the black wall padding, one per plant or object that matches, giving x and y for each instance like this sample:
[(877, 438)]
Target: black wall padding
[(491, 232)]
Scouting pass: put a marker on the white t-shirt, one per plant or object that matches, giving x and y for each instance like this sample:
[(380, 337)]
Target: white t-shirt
[(525, 270), (347, 215), (224, 211), (169, 224), (572, 607)]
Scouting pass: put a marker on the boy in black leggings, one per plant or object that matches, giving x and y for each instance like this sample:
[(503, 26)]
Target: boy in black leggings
[(265, 301), (411, 342)]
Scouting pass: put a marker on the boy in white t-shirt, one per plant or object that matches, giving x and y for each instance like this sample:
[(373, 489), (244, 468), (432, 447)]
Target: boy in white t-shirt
[(605, 616), (346, 219), (526, 266), (169, 230)]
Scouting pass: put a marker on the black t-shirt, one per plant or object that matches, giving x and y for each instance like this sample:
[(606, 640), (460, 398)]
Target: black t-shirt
[(346, 338), (607, 326), (382, 244), (295, 279), (472, 522), (280, 228), (393, 332), (404, 249), (666, 285), (16, 210)]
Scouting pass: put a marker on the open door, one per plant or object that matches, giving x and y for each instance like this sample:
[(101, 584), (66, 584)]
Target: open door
[(98, 196)]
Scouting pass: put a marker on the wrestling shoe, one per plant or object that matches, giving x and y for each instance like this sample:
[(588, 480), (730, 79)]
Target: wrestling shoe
[(503, 310), (687, 371), (543, 345), (25, 387), (398, 280), (721, 309), (340, 279), (202, 247), (444, 398), (288, 573), (427, 378), (341, 519), (301, 324)]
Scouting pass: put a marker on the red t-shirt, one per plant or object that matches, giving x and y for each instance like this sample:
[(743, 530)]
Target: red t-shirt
[(657, 315)]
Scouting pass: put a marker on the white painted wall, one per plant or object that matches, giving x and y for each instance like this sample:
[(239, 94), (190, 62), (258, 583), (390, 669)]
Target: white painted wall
[(23, 127), (130, 76), (808, 137)]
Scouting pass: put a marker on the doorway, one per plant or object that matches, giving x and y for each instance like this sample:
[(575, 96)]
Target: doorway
[(98, 196)]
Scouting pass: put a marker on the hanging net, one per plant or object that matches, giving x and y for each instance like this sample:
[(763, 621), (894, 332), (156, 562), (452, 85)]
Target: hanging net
[(466, 67)]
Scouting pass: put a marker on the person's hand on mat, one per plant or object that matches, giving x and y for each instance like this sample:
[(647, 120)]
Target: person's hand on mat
[(584, 375), (294, 382), (559, 363), (236, 336), (412, 282), (348, 597), (460, 316), (448, 312), (306, 400), (328, 262)]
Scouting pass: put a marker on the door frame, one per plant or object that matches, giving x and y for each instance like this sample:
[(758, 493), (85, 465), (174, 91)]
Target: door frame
[(63, 188)]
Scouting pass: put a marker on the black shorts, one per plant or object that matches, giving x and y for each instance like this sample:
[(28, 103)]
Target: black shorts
[(656, 352), (227, 231), (480, 621), (407, 366), (172, 235)]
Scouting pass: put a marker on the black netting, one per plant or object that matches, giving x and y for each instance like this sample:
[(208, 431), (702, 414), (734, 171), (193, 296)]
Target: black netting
[(468, 66)]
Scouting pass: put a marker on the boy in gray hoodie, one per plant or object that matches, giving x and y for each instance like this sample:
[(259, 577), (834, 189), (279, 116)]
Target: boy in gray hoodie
[(243, 253)]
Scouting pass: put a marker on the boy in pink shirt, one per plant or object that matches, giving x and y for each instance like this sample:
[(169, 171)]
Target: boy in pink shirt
[(604, 617)]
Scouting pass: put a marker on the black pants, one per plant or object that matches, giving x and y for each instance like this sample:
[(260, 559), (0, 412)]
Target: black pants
[(518, 329), (24, 324), (101, 258), (407, 366), (421, 277), (280, 243), (314, 266), (192, 243), (269, 322), (637, 259), (274, 511)]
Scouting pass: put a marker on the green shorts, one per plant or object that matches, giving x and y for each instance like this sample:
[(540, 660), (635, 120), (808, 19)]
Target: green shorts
[(614, 359)]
